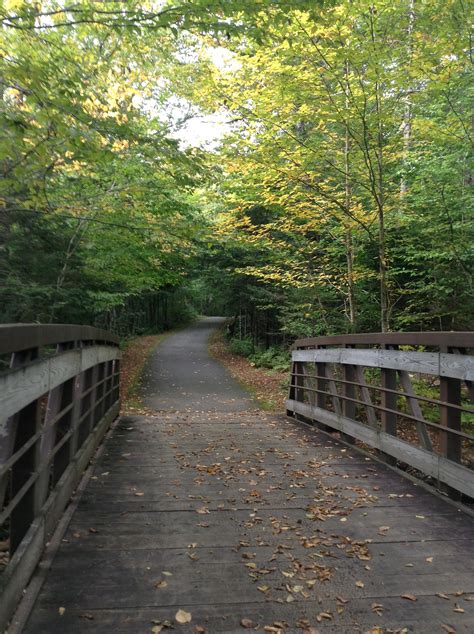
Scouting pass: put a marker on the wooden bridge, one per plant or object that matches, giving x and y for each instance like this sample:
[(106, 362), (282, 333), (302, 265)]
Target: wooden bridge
[(210, 515)]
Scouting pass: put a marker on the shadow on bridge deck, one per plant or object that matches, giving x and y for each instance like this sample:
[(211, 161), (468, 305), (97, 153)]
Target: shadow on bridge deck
[(240, 519)]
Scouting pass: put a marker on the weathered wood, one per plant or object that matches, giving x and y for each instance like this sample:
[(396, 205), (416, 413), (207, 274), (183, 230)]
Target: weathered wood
[(26, 384), (15, 338), (418, 362), (456, 476), (336, 401), (450, 392), (110, 564), (415, 409), (365, 397), (25, 559), (42, 453), (432, 339), (349, 406)]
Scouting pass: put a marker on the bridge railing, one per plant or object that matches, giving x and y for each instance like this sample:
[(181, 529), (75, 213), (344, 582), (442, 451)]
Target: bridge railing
[(407, 395), (59, 392)]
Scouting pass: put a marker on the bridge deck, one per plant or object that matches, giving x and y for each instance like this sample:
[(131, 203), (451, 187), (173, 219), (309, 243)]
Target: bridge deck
[(243, 519)]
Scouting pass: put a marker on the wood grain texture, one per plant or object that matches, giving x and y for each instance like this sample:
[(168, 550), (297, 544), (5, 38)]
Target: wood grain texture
[(456, 476), (24, 385), (173, 499)]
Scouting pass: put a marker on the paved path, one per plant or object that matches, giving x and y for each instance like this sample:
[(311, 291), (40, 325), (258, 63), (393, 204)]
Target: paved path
[(247, 521)]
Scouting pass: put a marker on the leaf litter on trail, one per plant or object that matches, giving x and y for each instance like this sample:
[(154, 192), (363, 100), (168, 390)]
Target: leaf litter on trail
[(182, 617)]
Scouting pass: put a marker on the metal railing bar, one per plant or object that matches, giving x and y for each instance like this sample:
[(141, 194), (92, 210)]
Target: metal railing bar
[(384, 389), (390, 411), (5, 514)]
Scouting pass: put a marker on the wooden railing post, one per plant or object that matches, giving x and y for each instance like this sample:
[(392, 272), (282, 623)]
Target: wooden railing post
[(78, 388), (321, 384), (349, 407), (48, 439), (389, 401), (450, 392)]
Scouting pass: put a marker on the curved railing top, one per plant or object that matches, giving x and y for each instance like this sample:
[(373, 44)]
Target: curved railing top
[(18, 337), (436, 339)]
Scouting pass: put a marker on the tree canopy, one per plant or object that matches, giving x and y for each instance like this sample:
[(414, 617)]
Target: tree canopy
[(337, 197)]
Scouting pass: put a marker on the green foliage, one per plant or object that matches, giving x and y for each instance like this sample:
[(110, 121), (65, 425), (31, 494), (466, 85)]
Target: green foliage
[(274, 357), (244, 347), (339, 200)]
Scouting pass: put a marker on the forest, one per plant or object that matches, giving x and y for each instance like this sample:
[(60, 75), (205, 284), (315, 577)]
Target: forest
[(302, 166)]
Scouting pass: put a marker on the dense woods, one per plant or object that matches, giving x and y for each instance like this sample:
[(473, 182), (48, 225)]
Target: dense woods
[(335, 196)]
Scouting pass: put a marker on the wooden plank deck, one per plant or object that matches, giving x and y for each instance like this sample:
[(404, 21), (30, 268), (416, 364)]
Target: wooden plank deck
[(249, 521), (232, 516)]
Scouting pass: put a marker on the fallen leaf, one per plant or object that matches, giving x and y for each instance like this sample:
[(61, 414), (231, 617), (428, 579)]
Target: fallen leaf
[(139, 494), (324, 615), (410, 597), (61, 611), (161, 584), (199, 629), (247, 623), (448, 628), (203, 510), (360, 584), (183, 617), (429, 560)]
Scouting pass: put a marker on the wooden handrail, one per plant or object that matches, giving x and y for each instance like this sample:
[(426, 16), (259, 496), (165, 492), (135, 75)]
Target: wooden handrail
[(429, 339), (19, 337), (405, 394), (57, 400)]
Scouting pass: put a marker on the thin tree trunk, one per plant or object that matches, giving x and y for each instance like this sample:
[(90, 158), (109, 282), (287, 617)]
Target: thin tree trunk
[(348, 196), (380, 199), (407, 113)]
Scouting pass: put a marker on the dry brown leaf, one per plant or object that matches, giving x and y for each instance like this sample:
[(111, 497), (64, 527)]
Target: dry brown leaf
[(182, 617), (161, 584), (360, 584), (448, 628), (410, 597), (247, 623), (324, 615)]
